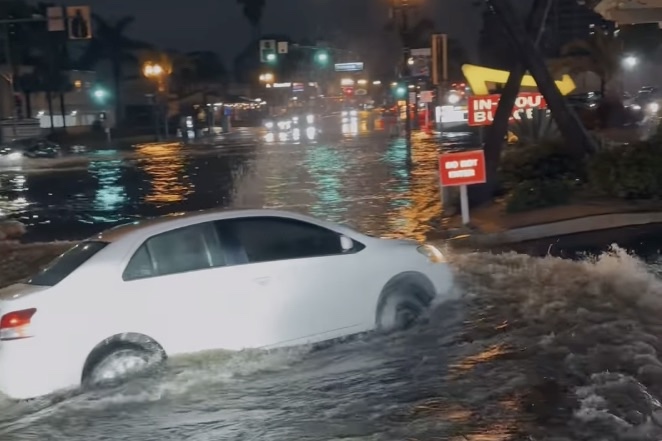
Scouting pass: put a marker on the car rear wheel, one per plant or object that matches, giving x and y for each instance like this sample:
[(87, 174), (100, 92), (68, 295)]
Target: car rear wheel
[(119, 363)]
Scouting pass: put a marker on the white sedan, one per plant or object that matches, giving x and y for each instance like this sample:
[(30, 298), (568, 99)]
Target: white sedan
[(128, 298)]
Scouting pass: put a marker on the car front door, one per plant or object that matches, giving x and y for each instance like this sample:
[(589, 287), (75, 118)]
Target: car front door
[(315, 290)]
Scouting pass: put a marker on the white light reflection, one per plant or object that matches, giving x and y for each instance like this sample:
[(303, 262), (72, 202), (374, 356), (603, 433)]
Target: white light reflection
[(269, 137), (111, 196), (296, 134), (351, 128), (311, 133), (12, 206), (282, 136)]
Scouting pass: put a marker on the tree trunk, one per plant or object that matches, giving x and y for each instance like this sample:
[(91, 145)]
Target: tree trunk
[(571, 128), (49, 100), (499, 129), (63, 112)]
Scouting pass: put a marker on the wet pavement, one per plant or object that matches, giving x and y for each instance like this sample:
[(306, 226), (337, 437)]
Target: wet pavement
[(530, 348)]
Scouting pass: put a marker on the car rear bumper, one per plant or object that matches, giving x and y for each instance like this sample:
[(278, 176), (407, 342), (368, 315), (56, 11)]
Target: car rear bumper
[(32, 368)]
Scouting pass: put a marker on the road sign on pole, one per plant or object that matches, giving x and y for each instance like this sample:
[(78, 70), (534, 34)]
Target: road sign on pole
[(283, 47), (79, 22), (56, 19), (460, 170)]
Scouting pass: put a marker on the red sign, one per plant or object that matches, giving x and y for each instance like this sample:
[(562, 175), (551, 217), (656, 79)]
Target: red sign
[(482, 108), (462, 168)]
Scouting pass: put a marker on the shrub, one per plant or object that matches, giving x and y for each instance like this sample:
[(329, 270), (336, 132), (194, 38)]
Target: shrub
[(550, 161), (539, 193), (630, 171), (539, 129)]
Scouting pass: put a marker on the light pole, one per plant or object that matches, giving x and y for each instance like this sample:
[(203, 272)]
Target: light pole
[(159, 74)]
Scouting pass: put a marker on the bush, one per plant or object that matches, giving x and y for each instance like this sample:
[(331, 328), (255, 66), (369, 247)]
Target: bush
[(539, 193), (551, 161), (628, 172)]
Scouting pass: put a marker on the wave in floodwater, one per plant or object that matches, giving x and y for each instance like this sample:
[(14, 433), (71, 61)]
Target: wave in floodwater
[(539, 347)]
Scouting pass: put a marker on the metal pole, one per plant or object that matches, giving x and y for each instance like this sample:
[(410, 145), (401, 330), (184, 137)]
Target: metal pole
[(443, 88), (10, 78), (464, 204)]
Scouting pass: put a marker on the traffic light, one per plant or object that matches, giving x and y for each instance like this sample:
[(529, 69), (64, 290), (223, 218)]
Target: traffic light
[(100, 95), (268, 51), (322, 57), (79, 22), (399, 90)]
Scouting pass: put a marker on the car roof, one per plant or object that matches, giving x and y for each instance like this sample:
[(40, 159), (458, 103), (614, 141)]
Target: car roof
[(176, 220)]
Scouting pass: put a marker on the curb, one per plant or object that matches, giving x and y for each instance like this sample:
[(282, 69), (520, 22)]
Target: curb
[(566, 227)]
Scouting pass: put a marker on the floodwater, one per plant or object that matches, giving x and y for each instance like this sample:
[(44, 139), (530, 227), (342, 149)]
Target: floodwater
[(530, 347)]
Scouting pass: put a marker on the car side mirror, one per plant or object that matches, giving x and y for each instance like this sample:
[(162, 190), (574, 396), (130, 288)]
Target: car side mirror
[(346, 243)]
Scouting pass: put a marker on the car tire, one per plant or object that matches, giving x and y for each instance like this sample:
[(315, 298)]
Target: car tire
[(120, 362), (401, 308)]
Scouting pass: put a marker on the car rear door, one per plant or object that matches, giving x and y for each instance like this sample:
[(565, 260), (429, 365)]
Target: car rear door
[(181, 290)]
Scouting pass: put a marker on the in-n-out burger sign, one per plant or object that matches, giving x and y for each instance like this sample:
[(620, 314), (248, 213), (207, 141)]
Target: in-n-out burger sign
[(482, 108)]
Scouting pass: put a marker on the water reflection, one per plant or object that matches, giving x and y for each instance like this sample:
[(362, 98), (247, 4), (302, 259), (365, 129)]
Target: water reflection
[(166, 166), (415, 202), (350, 126), (16, 199), (326, 167), (110, 197)]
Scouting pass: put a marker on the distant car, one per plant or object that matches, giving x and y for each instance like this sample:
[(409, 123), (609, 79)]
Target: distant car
[(128, 298), (29, 148)]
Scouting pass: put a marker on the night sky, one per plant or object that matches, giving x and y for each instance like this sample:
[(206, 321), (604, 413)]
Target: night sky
[(218, 25)]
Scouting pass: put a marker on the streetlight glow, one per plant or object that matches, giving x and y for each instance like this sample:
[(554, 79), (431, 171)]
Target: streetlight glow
[(151, 70), (630, 61)]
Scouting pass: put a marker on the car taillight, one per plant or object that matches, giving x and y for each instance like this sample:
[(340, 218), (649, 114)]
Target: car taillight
[(16, 325)]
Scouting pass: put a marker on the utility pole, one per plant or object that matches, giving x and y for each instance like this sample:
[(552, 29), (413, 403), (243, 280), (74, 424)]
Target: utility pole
[(400, 11), (10, 78)]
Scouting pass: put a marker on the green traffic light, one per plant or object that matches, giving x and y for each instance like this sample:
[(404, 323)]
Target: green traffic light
[(322, 57), (271, 57), (400, 91), (100, 94)]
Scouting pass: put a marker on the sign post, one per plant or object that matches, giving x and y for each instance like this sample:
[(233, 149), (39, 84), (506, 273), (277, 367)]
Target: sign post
[(462, 169)]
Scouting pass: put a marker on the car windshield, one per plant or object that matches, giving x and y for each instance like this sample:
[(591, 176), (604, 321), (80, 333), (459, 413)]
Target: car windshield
[(67, 263)]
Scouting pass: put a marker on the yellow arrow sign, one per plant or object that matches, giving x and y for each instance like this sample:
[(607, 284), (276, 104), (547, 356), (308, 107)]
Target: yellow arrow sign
[(478, 77)]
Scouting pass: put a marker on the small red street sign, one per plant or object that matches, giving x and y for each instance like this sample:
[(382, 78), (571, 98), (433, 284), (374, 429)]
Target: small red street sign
[(462, 168)]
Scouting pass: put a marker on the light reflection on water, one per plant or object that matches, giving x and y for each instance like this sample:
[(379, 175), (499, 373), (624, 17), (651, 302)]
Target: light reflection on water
[(167, 173), (366, 181)]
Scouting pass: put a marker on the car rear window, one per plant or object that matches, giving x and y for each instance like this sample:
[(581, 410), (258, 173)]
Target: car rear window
[(67, 263)]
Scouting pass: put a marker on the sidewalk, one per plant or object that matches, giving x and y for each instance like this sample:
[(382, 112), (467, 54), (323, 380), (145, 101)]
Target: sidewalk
[(491, 225)]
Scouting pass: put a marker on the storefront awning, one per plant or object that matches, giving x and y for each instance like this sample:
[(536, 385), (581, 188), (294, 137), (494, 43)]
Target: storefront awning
[(625, 12)]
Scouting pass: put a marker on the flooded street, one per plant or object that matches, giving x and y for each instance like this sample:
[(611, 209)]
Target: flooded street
[(530, 348), (359, 176)]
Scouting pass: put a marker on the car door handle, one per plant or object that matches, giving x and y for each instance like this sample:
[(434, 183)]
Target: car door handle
[(262, 280)]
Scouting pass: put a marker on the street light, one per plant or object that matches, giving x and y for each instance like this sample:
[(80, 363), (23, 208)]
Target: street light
[(630, 61), (267, 77), (158, 73)]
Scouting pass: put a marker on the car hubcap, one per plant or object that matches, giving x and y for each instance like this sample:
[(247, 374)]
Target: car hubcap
[(120, 365)]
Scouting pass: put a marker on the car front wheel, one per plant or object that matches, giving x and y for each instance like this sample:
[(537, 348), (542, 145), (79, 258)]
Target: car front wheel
[(400, 311)]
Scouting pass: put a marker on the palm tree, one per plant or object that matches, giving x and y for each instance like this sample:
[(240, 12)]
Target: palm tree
[(253, 11), (601, 54), (111, 43)]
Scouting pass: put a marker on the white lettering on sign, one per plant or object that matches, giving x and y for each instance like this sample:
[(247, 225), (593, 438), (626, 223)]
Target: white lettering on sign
[(463, 173), (482, 109), (452, 164)]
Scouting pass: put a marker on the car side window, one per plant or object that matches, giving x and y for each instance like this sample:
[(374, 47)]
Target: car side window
[(266, 239), (185, 249)]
